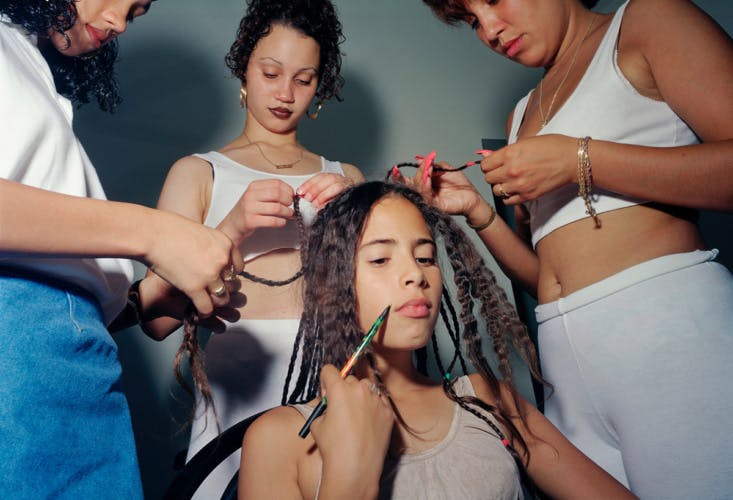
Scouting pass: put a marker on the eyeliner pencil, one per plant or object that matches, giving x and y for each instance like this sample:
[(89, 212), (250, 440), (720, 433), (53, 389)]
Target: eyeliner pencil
[(345, 370)]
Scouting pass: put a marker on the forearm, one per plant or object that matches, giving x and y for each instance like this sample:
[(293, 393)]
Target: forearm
[(37, 221), (515, 258), (697, 176)]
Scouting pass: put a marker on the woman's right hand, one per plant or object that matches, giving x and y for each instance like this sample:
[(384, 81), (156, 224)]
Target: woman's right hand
[(352, 435), (265, 203), (451, 192), (193, 258)]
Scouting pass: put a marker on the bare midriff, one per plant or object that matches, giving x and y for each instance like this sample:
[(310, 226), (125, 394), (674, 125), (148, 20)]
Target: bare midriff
[(577, 255), (266, 302)]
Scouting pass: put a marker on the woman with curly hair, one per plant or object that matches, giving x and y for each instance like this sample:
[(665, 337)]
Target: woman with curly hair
[(469, 436), (64, 273), (287, 57)]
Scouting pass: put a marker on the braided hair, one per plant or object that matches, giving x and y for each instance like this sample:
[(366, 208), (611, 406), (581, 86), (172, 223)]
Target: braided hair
[(79, 79), (316, 19), (329, 329)]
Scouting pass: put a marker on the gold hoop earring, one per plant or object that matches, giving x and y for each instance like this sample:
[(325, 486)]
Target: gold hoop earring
[(242, 98), (314, 115)]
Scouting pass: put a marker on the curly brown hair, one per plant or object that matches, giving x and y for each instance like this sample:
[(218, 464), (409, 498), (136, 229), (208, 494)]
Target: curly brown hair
[(79, 79), (316, 19)]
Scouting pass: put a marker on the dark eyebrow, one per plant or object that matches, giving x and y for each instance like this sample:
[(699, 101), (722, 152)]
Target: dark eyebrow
[(392, 241)]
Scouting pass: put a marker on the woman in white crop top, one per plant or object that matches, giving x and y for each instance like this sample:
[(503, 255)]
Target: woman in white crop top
[(287, 56), (636, 109), (377, 245), (64, 274)]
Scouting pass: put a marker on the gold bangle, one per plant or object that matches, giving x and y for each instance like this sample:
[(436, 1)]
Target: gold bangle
[(585, 178), (481, 227)]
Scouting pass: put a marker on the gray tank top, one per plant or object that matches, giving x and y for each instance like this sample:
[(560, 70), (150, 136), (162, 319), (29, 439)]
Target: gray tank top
[(470, 462)]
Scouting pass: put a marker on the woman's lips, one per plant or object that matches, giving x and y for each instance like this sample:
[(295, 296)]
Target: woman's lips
[(98, 37), (282, 113), (416, 308), (514, 46)]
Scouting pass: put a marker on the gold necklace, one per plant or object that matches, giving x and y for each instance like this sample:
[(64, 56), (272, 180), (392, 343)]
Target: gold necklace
[(278, 166), (557, 91)]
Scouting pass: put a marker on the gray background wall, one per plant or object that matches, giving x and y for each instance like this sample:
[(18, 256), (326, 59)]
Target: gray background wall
[(413, 85)]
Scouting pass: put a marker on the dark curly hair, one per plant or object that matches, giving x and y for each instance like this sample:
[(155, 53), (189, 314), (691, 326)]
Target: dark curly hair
[(329, 328), (454, 12), (316, 19), (80, 79)]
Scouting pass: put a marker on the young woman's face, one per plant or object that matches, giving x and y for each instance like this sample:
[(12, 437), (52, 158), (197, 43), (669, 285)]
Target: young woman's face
[(396, 265), (282, 78), (515, 29), (97, 22)]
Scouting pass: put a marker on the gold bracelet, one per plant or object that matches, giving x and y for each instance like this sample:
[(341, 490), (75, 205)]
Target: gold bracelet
[(585, 178), (481, 227)]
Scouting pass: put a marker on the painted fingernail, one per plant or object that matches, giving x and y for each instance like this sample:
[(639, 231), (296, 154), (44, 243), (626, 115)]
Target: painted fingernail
[(395, 172), (471, 163), (419, 157), (484, 151)]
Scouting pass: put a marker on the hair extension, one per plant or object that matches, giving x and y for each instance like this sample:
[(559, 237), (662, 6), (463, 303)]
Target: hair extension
[(316, 19), (190, 346), (79, 79), (330, 305)]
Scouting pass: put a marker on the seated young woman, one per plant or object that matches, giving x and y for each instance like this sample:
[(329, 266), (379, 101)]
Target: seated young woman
[(467, 436)]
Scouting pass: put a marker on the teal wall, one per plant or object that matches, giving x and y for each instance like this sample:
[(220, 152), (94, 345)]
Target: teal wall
[(413, 85)]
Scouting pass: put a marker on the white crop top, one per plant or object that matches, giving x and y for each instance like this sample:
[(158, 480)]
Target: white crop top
[(231, 180), (604, 106)]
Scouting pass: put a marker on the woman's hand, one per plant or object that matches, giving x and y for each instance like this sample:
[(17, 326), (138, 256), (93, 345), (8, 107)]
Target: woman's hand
[(451, 192), (193, 258), (320, 189), (265, 203), (352, 436), (531, 167)]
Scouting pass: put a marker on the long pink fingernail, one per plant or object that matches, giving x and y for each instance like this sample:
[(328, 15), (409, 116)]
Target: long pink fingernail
[(427, 166), (419, 157), (484, 151), (395, 171)]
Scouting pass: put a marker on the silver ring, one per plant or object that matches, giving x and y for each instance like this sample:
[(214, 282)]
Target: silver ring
[(219, 292), (373, 388)]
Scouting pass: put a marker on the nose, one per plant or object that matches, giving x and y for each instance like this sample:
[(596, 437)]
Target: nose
[(490, 27), (285, 91), (413, 275), (115, 18)]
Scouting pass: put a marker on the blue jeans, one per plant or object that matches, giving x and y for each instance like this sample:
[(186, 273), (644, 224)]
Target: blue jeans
[(65, 429)]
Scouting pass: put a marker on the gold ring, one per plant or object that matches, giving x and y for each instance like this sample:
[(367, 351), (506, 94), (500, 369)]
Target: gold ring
[(502, 193), (229, 274), (219, 292)]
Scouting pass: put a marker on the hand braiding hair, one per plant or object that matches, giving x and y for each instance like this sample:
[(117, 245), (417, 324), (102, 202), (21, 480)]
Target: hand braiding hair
[(190, 345)]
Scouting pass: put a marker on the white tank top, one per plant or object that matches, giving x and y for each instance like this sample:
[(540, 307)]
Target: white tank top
[(604, 106), (231, 180)]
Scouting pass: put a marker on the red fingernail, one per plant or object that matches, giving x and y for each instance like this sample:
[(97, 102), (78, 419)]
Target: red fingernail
[(471, 163), (419, 157), (395, 171), (484, 151), (427, 166)]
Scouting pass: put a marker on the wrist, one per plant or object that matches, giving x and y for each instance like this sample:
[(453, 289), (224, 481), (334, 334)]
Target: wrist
[(481, 217)]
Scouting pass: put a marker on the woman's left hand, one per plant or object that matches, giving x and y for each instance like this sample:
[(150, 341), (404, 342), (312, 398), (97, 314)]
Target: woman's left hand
[(324, 187), (531, 167)]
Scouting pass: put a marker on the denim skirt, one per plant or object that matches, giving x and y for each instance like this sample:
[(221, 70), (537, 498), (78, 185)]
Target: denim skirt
[(65, 429)]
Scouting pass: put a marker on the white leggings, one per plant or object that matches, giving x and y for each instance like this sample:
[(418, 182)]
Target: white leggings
[(642, 367)]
